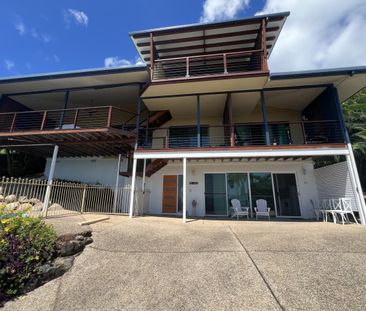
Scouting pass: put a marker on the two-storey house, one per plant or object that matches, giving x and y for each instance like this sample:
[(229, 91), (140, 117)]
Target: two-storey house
[(204, 122)]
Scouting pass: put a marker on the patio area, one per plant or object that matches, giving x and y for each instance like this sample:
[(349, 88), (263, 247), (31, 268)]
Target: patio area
[(159, 263)]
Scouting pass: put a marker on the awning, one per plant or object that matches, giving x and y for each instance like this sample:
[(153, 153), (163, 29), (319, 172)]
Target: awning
[(97, 87), (348, 80), (206, 38)]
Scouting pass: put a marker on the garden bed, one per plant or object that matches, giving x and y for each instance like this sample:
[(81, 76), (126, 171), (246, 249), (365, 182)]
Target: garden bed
[(32, 254)]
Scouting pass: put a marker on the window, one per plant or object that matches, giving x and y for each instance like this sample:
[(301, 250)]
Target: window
[(186, 137)]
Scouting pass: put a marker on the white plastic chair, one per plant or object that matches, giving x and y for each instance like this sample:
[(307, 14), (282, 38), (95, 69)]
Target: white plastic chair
[(336, 209), (317, 208), (346, 209), (327, 208), (261, 209), (239, 210)]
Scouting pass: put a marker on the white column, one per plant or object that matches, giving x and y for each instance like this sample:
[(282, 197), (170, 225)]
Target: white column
[(144, 177), (117, 183), (184, 189), (355, 179), (132, 195), (50, 179)]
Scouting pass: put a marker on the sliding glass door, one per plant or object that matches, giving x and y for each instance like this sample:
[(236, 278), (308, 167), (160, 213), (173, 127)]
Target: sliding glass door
[(278, 189), (287, 198), (215, 194), (261, 188), (238, 188)]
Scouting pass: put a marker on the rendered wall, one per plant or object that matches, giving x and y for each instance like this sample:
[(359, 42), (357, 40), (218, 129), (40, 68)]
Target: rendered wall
[(334, 181), (89, 170), (195, 173)]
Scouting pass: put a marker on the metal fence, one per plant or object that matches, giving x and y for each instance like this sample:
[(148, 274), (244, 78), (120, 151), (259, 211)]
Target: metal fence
[(69, 197)]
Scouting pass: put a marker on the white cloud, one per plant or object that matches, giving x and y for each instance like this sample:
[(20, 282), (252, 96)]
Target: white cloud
[(217, 10), (34, 33), (319, 34), (79, 17), (19, 26), (9, 64), (55, 58), (115, 61), (46, 38)]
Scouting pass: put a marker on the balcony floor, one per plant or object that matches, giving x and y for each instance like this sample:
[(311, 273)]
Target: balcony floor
[(72, 142)]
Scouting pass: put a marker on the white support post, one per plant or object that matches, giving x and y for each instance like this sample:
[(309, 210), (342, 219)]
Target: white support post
[(132, 195), (50, 179), (117, 183), (184, 189), (144, 177), (355, 179), (83, 200)]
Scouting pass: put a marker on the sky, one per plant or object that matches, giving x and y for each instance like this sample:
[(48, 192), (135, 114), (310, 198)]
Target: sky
[(51, 36)]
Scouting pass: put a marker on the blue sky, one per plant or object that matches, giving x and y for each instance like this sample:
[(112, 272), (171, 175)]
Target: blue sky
[(48, 36), (44, 36)]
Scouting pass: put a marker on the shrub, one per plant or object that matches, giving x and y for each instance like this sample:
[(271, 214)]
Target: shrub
[(26, 243)]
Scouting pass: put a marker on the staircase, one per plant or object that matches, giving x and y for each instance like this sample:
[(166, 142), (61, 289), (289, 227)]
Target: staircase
[(155, 166), (157, 119)]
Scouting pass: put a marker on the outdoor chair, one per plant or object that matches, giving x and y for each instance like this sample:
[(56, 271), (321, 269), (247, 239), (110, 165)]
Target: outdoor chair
[(239, 210), (327, 208), (261, 209), (318, 209), (336, 209), (346, 209)]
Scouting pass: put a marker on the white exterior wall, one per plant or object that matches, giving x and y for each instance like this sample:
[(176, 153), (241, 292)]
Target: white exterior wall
[(89, 170), (334, 181), (195, 173)]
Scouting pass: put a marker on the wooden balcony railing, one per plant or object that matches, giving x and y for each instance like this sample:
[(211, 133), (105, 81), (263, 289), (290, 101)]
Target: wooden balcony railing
[(208, 65), (241, 135), (66, 119)]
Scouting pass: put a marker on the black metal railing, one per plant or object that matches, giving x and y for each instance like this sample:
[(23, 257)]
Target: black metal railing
[(241, 135), (207, 65), (66, 119)]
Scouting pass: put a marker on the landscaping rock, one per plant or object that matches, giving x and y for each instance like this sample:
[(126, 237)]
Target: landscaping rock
[(79, 238), (10, 198), (72, 244), (62, 264), (24, 207), (37, 207), (86, 233), (56, 269), (2, 198), (55, 207), (88, 240), (23, 199), (35, 201), (12, 206)]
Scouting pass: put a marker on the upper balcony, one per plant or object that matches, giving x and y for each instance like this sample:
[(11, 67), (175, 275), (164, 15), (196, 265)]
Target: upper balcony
[(224, 64), (82, 131), (209, 51), (275, 118)]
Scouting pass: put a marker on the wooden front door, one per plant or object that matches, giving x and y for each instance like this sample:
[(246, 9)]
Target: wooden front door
[(170, 185)]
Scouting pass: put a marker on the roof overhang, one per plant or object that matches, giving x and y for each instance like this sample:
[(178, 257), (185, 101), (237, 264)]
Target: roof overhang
[(112, 86), (348, 80), (206, 38), (93, 78)]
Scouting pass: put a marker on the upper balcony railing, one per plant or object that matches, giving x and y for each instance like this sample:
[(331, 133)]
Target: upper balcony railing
[(66, 119), (208, 65), (243, 135)]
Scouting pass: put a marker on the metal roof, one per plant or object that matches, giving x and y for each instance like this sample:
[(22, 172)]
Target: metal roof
[(72, 74), (206, 38)]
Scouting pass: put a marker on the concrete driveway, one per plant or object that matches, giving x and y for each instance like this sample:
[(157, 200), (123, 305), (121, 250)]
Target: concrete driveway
[(152, 263)]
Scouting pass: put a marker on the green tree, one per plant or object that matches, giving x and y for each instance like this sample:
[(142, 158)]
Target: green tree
[(354, 110)]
